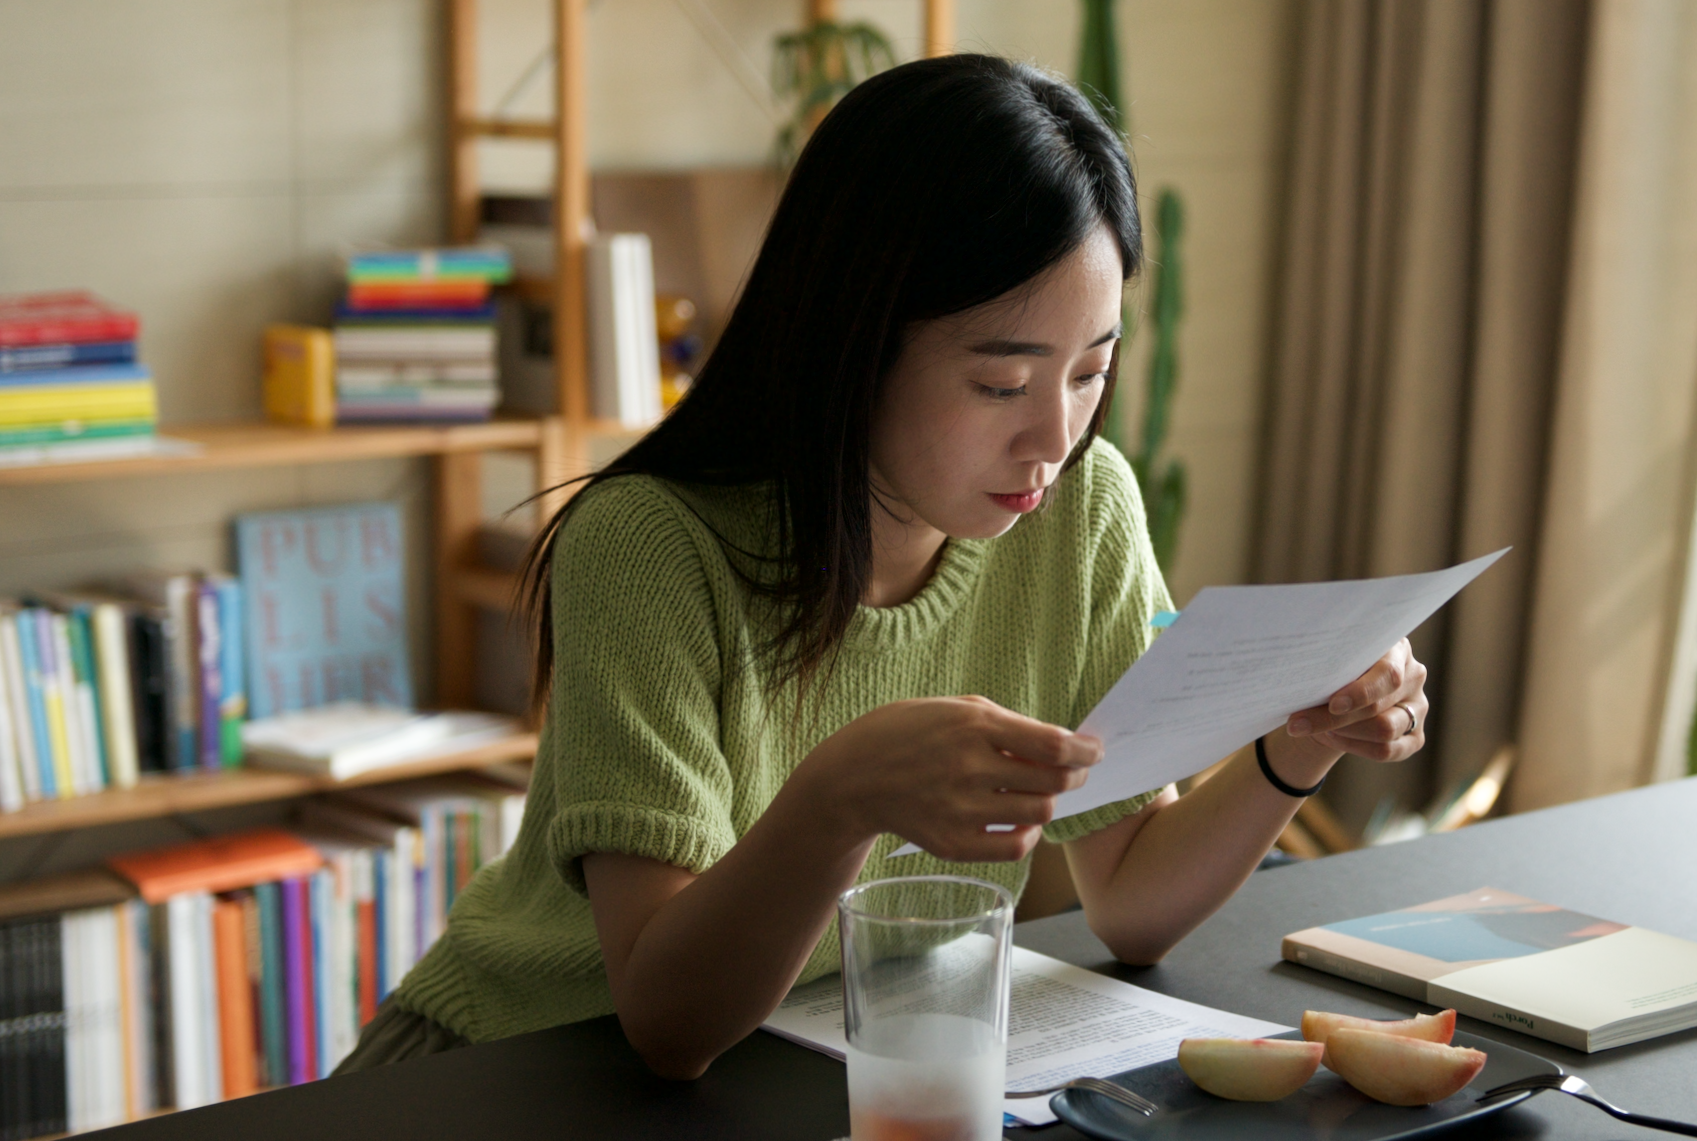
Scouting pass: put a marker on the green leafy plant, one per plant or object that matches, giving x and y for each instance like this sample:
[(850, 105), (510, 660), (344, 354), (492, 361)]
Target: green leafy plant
[(817, 66), (1163, 486)]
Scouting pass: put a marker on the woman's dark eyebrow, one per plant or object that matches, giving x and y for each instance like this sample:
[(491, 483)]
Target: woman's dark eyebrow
[(1003, 348)]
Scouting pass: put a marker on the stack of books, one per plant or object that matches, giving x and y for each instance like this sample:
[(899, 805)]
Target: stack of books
[(70, 386), (415, 337), (188, 975), (97, 688)]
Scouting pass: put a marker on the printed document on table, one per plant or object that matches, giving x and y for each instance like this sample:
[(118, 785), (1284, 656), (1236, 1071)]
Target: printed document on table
[(1064, 1022), (1240, 660)]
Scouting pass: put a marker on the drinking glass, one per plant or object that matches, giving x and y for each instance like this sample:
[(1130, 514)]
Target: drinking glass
[(926, 963)]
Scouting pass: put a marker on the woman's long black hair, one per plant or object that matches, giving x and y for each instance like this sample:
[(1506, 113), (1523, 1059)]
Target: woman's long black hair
[(931, 188)]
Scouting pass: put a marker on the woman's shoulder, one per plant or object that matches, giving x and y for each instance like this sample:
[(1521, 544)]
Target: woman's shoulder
[(642, 520), (1100, 491)]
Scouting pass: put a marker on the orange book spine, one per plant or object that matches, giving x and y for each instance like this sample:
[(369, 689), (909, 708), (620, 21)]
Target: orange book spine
[(235, 999), (367, 961)]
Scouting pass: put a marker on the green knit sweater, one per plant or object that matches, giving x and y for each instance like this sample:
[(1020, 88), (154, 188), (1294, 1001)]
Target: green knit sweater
[(663, 739)]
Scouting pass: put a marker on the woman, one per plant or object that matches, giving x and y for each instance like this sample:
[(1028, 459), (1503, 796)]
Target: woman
[(854, 590)]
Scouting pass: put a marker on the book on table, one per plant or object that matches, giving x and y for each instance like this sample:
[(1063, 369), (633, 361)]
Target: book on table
[(1571, 978)]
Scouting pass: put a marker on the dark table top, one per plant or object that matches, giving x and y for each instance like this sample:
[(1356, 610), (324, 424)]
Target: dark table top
[(1630, 857)]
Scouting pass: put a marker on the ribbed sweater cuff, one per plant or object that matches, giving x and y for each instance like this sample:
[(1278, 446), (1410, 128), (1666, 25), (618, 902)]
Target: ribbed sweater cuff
[(1077, 827), (632, 830)]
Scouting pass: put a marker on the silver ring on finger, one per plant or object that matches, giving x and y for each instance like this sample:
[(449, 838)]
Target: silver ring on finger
[(1413, 721)]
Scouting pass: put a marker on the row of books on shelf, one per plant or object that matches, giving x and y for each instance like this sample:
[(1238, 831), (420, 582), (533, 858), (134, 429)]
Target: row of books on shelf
[(188, 975), (70, 384), (97, 688)]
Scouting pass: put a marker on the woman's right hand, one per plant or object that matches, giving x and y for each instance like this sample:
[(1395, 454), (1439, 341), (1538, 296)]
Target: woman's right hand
[(939, 771)]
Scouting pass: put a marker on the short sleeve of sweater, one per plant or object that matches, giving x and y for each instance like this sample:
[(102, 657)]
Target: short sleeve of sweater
[(634, 702), (1126, 591)]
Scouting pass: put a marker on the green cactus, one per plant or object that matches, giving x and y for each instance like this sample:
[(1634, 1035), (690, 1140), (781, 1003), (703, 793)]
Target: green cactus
[(1099, 61), (1163, 487)]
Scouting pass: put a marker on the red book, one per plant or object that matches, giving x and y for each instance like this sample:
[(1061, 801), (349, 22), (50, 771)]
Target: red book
[(66, 317), (223, 863), (418, 294), (367, 914)]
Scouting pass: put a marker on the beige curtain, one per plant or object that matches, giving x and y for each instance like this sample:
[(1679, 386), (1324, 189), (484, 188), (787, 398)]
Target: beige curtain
[(1418, 317), (1611, 676)]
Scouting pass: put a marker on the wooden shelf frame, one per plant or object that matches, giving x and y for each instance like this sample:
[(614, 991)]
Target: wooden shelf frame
[(568, 132), (170, 794)]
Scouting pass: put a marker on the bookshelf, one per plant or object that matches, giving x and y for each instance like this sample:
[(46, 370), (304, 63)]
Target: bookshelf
[(560, 448), (168, 794)]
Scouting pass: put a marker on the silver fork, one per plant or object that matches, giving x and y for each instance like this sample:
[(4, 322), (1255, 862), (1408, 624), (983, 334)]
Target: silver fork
[(1097, 1085), (1578, 1087)]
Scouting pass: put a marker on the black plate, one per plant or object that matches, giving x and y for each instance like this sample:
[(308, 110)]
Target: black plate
[(1327, 1108)]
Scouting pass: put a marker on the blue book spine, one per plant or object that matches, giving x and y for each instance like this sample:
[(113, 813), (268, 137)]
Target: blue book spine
[(37, 703), (81, 374), (321, 970), (471, 315), (26, 358), (233, 680), (380, 909)]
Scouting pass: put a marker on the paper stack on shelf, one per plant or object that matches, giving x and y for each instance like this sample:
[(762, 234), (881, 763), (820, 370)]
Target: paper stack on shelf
[(415, 337), (349, 738), (70, 386)]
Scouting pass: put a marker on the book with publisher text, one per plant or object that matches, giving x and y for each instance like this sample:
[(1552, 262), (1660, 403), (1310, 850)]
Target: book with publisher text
[(1571, 978), (324, 591)]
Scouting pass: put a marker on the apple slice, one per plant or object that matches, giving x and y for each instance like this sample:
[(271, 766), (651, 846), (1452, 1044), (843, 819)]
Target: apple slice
[(1249, 1069), (1317, 1026), (1401, 1071)]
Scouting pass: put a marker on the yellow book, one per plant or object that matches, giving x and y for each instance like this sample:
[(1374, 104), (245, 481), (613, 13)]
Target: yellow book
[(130, 400), (54, 694), (300, 375)]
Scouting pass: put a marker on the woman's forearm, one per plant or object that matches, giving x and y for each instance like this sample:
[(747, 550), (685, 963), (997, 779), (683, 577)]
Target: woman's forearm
[(1184, 861), (717, 956)]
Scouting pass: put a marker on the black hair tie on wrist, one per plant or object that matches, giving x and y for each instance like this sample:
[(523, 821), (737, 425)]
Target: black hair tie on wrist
[(1273, 777)]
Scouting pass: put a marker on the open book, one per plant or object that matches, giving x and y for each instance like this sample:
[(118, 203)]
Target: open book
[(1570, 978), (1064, 1022)]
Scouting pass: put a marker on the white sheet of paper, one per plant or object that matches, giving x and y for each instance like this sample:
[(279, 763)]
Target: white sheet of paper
[(1240, 660), (1064, 1022)]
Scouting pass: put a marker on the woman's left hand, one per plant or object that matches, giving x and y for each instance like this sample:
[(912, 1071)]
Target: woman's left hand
[(1381, 715)]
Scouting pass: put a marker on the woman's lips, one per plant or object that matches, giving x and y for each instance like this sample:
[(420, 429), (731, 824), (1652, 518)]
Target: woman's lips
[(1019, 503)]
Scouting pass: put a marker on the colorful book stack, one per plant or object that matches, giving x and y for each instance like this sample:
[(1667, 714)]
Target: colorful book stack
[(70, 386), (415, 337), (248, 961), (96, 689)]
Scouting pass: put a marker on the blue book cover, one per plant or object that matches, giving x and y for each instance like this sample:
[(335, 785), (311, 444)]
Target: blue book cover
[(325, 599), (27, 643), (121, 373), (25, 358), (320, 901), (478, 315), (232, 688)]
